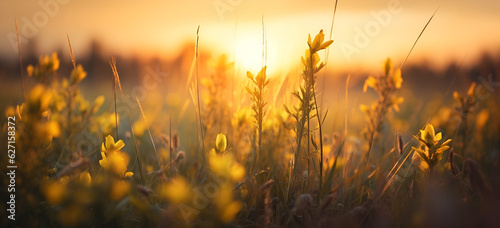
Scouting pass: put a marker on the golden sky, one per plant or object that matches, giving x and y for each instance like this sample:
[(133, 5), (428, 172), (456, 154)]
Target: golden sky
[(365, 31)]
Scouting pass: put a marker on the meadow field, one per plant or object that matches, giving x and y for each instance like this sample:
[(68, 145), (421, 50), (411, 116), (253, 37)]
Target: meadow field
[(204, 142)]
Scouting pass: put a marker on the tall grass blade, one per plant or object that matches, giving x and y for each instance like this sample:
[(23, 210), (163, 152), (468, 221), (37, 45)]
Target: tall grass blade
[(415, 43), (112, 63), (20, 59), (149, 132)]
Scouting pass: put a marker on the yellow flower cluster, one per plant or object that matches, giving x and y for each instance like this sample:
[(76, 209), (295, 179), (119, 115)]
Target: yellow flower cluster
[(241, 117), (104, 123), (260, 79), (227, 208), (46, 65), (55, 190), (175, 191), (318, 43), (220, 142), (77, 75), (466, 105), (46, 131), (113, 159), (39, 100), (224, 162), (430, 152), (311, 57), (385, 85), (256, 94)]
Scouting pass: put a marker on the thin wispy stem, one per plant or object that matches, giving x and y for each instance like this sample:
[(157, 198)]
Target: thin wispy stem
[(71, 52), (70, 90), (198, 91), (415, 43), (20, 59), (112, 63), (149, 132), (170, 141), (327, 53), (115, 111)]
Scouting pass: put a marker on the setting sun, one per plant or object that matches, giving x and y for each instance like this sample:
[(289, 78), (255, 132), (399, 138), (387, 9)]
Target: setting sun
[(248, 53), (251, 54)]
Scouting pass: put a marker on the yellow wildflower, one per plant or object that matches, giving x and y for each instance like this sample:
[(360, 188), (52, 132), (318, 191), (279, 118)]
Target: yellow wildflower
[(54, 62), (471, 90), (116, 163), (105, 123), (396, 79), (431, 150), (119, 189), (85, 178), (237, 172), (420, 162), (46, 65), (111, 146), (113, 159), (77, 74), (260, 80), (48, 130), (227, 208), (429, 136), (231, 211), (226, 164), (221, 142), (39, 99), (175, 191), (315, 59), (317, 43), (97, 104), (395, 101), (55, 190), (30, 69), (241, 117), (139, 127), (482, 119), (370, 82)]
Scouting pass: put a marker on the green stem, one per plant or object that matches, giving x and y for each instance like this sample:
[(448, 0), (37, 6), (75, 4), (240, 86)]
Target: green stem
[(311, 70)]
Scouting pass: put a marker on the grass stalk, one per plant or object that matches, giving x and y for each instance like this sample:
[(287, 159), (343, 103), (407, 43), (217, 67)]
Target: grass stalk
[(149, 132), (70, 89), (327, 53), (20, 59), (198, 92), (112, 63), (313, 90), (170, 134), (419, 35)]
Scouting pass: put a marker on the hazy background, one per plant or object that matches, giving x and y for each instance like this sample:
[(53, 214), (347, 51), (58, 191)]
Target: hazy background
[(460, 31)]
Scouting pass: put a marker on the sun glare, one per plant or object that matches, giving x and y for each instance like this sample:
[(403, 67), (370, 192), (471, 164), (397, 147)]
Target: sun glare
[(248, 53)]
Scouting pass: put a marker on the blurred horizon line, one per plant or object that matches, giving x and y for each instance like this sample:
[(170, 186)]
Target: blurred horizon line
[(95, 48)]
